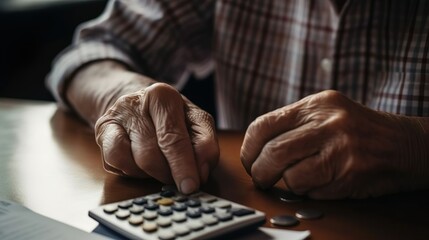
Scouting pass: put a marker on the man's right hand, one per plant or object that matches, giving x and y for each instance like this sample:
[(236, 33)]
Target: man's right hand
[(156, 132)]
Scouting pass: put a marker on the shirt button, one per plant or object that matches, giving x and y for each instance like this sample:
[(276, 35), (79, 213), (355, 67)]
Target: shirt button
[(326, 65)]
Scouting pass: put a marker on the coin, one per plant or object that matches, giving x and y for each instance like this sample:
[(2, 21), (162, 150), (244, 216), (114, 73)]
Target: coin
[(308, 214), (291, 197), (287, 196), (284, 220)]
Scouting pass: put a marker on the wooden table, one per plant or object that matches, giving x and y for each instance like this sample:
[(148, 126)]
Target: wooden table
[(49, 162)]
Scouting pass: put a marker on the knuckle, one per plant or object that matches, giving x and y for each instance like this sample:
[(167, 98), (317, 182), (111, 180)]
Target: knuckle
[(101, 130), (331, 95), (258, 125), (266, 122), (161, 85), (127, 102), (162, 91), (274, 152), (328, 97)]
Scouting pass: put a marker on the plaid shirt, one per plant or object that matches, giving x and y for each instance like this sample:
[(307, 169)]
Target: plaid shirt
[(266, 53)]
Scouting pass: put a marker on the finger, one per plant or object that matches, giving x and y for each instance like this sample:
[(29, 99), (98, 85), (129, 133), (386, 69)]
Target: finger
[(116, 150), (168, 115), (282, 152), (204, 141), (265, 128), (112, 170), (145, 150), (310, 173)]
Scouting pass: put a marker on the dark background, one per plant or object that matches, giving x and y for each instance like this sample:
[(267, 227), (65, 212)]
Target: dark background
[(33, 34)]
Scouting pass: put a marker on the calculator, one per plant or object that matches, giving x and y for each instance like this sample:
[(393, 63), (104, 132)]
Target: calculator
[(171, 215)]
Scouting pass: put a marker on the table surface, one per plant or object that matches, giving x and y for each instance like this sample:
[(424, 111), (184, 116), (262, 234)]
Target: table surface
[(50, 163)]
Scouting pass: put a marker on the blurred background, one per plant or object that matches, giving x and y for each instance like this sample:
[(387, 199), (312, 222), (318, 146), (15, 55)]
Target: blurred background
[(35, 31)]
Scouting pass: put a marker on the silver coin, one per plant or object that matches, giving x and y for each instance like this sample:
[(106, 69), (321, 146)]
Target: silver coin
[(284, 220), (287, 196), (308, 214), (291, 197)]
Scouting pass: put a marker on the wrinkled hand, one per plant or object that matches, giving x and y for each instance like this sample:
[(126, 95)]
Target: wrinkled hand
[(327, 146), (158, 133)]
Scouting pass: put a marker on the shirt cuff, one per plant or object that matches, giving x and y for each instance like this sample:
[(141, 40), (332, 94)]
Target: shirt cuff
[(71, 59)]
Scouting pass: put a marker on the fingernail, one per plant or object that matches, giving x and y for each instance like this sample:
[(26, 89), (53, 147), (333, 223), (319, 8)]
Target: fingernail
[(204, 172), (188, 185)]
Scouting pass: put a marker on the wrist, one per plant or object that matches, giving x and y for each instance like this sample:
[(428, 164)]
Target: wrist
[(97, 86), (414, 153)]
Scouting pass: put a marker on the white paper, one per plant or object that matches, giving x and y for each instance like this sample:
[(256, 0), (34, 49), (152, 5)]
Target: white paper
[(273, 234), (18, 222), (285, 234)]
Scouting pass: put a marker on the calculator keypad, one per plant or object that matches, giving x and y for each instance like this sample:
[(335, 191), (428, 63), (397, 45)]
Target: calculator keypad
[(171, 215)]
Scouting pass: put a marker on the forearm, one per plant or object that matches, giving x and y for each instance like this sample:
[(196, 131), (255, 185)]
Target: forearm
[(96, 87)]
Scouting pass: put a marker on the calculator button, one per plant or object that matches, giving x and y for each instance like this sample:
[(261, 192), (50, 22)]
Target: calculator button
[(149, 227), (179, 218), (167, 193), (207, 198), (125, 204), (150, 215), (151, 206), (195, 225), (209, 220), (193, 213), (164, 222), (181, 230), (153, 198), (122, 214), (241, 211), (166, 235), (180, 198), (109, 209), (135, 220), (207, 209), (136, 209), (284, 220), (165, 212), (288, 196), (193, 203), (165, 201), (222, 204), (179, 207), (196, 195), (140, 201), (164, 216), (223, 216)]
